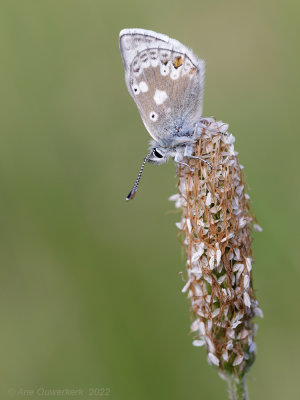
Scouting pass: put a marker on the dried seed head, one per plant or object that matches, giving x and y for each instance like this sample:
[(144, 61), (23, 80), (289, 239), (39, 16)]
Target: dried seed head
[(216, 225)]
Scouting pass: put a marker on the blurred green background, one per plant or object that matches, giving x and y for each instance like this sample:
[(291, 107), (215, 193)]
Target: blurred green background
[(90, 293)]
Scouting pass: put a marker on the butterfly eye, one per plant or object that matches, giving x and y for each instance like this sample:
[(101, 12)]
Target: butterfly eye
[(157, 154)]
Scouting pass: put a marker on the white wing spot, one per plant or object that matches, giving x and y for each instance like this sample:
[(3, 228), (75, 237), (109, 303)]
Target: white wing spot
[(164, 69), (175, 74), (143, 86), (154, 57), (144, 57), (160, 96), (154, 62), (137, 71), (146, 63), (153, 116)]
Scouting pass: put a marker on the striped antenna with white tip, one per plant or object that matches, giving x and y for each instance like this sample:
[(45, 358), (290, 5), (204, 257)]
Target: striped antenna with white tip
[(135, 186)]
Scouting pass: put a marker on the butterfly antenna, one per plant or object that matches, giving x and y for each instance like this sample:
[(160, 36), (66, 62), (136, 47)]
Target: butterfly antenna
[(135, 186)]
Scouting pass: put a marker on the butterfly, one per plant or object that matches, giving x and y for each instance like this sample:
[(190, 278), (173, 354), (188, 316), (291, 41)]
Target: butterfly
[(166, 81)]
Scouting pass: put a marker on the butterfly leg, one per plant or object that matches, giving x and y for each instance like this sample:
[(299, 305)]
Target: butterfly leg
[(188, 153), (178, 159), (185, 164), (201, 159)]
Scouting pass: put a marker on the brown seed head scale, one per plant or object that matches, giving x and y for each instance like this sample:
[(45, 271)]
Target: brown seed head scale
[(216, 228)]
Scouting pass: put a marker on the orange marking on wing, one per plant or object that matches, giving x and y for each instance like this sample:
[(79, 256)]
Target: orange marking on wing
[(178, 62)]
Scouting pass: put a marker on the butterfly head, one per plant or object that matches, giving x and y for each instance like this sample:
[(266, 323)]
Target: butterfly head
[(159, 155)]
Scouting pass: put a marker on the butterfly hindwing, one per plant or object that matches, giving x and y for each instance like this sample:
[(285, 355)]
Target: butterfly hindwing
[(166, 81)]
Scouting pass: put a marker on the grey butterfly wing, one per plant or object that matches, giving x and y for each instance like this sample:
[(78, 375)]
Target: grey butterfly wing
[(168, 95), (166, 81)]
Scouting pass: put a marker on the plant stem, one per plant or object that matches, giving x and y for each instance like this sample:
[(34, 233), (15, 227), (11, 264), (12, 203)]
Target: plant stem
[(237, 388)]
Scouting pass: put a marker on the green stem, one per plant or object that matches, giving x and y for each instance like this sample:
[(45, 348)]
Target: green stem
[(237, 388)]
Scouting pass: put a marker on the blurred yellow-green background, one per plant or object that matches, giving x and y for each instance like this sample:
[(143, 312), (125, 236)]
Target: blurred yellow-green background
[(90, 293)]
